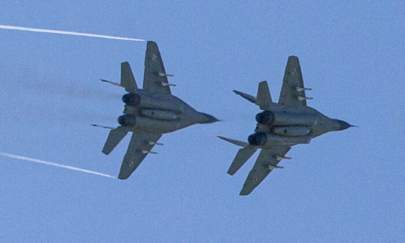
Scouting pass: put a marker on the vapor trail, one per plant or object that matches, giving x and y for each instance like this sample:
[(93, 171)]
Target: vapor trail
[(62, 32), (38, 161)]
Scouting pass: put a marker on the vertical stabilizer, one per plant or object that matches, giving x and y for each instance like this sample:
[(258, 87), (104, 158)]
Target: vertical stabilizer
[(127, 78), (263, 98)]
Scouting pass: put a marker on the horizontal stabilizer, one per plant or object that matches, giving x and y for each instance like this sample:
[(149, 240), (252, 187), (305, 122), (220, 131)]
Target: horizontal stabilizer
[(114, 138), (102, 126), (240, 159), (234, 141), (246, 96), (111, 82)]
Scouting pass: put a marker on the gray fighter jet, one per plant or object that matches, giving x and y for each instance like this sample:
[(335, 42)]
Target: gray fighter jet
[(148, 112), (280, 126)]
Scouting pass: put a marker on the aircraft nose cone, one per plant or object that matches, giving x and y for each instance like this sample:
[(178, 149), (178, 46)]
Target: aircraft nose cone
[(206, 118), (343, 125)]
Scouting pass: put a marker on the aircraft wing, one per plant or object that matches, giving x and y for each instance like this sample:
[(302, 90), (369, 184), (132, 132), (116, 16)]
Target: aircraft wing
[(293, 92), (155, 77), (140, 145), (265, 163)]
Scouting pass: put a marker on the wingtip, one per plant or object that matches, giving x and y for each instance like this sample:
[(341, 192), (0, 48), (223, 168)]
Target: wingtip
[(122, 176), (243, 193), (248, 97), (223, 138), (231, 172), (237, 92)]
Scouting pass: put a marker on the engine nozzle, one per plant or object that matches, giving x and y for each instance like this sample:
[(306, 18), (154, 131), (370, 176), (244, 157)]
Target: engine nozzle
[(265, 117), (257, 139), (127, 120), (131, 99)]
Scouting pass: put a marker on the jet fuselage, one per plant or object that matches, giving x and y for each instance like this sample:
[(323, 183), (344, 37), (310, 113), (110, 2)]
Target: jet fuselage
[(284, 125), (159, 113)]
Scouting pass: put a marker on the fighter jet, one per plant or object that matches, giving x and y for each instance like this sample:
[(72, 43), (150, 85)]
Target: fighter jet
[(280, 126), (148, 112)]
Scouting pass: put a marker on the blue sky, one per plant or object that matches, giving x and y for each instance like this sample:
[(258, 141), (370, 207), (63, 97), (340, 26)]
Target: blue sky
[(343, 187)]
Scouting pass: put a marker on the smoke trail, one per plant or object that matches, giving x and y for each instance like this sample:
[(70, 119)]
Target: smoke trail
[(62, 32), (38, 161)]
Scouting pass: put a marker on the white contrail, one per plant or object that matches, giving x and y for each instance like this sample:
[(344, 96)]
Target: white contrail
[(38, 161), (63, 32)]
